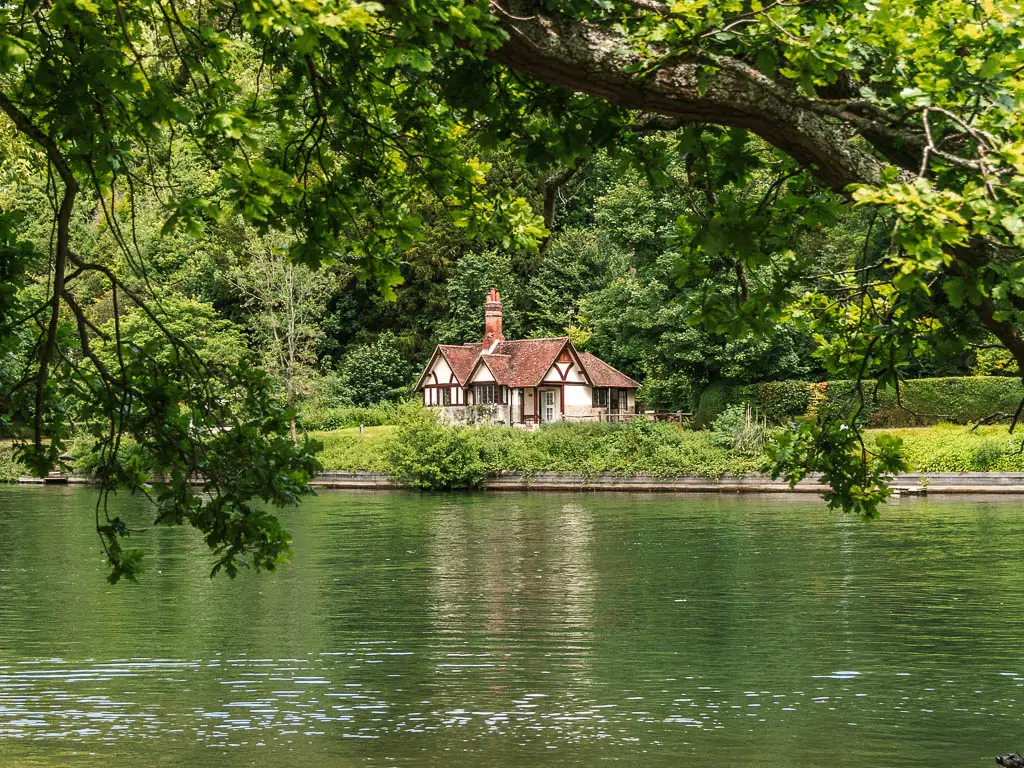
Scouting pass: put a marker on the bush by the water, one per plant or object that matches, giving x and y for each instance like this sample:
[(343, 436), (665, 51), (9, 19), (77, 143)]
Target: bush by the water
[(742, 429), (348, 450), (424, 453), (10, 468), (921, 402)]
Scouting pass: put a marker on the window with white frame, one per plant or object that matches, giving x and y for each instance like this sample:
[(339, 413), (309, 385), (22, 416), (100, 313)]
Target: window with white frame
[(488, 394), (600, 396)]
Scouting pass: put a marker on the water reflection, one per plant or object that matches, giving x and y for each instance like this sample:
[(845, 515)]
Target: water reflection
[(521, 630)]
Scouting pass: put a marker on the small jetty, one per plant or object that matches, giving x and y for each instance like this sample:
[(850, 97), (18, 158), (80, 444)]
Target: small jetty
[(55, 477)]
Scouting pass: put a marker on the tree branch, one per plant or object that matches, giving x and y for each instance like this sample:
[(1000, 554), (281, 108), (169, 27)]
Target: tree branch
[(63, 223), (692, 87)]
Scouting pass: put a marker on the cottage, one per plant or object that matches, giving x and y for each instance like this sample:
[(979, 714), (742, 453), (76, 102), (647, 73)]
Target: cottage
[(524, 382)]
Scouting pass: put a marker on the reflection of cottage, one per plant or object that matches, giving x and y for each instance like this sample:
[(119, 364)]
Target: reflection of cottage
[(525, 382)]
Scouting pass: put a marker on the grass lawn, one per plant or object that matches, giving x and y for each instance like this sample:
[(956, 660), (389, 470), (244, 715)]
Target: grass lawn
[(351, 432), (958, 448), (669, 450), (346, 449), (941, 448)]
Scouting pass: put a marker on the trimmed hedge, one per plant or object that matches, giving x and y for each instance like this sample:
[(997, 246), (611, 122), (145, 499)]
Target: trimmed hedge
[(922, 402)]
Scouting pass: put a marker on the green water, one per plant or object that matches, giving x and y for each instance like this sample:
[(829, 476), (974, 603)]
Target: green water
[(522, 630)]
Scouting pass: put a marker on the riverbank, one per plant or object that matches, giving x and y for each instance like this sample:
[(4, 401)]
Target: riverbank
[(652, 457), (914, 483), (667, 450), (909, 484)]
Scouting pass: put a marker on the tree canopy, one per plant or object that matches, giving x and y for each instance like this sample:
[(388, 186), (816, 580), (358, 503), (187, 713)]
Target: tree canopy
[(349, 130)]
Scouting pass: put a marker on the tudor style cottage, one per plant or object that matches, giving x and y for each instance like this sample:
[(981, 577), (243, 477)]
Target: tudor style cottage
[(525, 382)]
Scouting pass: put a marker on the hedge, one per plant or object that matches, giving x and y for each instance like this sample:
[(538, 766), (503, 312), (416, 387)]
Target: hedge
[(315, 418), (922, 402)]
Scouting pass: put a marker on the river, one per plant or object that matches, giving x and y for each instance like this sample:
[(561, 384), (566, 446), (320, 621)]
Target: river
[(521, 630)]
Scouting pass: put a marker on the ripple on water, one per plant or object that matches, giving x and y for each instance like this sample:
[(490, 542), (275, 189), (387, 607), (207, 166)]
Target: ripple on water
[(520, 631)]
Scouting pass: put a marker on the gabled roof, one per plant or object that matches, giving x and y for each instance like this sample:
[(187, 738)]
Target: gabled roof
[(531, 358), (500, 367), (603, 375), (460, 359), (524, 363)]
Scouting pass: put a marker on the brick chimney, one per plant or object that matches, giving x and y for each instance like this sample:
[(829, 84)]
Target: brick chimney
[(492, 318)]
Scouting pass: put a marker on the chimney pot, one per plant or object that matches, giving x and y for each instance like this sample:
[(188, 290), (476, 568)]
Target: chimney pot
[(492, 318)]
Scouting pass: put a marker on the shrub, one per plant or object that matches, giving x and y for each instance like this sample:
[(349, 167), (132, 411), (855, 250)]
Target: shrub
[(987, 454), (740, 428), (424, 453), (956, 448), (716, 397), (10, 468), (314, 417), (728, 423), (352, 452), (85, 456)]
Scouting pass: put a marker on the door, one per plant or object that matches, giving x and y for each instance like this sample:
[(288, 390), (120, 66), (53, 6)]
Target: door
[(613, 401), (549, 404)]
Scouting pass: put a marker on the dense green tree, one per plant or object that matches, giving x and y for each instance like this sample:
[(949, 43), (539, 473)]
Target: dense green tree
[(375, 372), (576, 262), (285, 303), (474, 275)]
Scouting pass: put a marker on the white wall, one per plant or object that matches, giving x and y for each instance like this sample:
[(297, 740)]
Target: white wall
[(578, 396), (444, 373), (482, 375), (554, 375)]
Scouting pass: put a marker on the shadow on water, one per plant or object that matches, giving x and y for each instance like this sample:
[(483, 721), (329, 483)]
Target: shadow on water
[(521, 630)]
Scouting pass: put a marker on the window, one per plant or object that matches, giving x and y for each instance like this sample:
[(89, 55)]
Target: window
[(446, 396), (600, 396), (488, 394)]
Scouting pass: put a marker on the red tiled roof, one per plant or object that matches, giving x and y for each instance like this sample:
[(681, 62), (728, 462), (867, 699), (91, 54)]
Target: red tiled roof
[(530, 359), (461, 358), (524, 362), (501, 367), (603, 375)]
